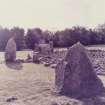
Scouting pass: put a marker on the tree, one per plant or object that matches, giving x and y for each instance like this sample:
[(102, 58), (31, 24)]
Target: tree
[(33, 36), (5, 34)]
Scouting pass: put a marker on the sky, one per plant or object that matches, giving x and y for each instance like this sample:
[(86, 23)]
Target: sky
[(51, 14)]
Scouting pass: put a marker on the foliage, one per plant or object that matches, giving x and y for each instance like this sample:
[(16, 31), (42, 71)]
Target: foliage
[(63, 38)]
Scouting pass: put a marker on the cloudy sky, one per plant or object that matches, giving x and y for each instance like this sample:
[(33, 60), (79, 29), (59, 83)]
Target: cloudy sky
[(51, 14)]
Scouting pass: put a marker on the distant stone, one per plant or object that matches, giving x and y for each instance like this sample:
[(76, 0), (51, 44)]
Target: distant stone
[(46, 64), (36, 57), (53, 65), (75, 76), (10, 50)]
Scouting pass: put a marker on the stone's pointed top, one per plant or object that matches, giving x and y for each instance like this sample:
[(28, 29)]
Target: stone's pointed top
[(78, 45), (11, 39), (75, 51)]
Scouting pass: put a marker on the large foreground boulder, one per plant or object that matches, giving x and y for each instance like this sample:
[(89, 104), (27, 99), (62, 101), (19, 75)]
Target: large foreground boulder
[(10, 50), (75, 76)]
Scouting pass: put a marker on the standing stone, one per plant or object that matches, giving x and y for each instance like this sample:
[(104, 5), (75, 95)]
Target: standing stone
[(36, 57), (77, 78), (10, 50), (59, 75)]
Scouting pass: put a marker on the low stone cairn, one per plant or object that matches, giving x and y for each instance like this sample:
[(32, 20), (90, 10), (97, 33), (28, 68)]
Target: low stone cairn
[(48, 60), (75, 77)]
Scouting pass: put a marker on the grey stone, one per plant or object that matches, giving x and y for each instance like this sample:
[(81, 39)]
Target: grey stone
[(47, 64), (53, 65), (36, 57), (76, 77), (10, 50)]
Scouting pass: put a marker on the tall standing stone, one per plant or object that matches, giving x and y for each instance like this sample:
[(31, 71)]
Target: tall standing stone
[(10, 50), (77, 76)]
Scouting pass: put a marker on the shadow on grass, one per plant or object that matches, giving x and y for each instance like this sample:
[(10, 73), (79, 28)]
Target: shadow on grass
[(98, 99), (14, 65), (94, 100)]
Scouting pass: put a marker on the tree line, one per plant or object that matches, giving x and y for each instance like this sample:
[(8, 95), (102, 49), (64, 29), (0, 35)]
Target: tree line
[(63, 38)]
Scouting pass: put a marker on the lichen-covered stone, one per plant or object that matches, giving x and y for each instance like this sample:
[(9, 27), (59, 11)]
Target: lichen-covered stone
[(10, 50), (77, 78)]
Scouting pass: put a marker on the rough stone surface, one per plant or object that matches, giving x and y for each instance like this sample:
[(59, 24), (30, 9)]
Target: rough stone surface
[(36, 57), (10, 50), (77, 78)]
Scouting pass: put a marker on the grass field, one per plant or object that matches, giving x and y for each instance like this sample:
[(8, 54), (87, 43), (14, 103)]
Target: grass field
[(32, 84)]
